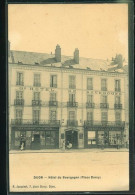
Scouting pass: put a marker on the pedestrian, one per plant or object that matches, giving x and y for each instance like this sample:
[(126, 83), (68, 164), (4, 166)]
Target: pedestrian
[(63, 145)]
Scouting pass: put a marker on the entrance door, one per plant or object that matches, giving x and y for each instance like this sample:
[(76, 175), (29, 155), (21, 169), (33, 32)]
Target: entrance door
[(72, 137), (36, 142)]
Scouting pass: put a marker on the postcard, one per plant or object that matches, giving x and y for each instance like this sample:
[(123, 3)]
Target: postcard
[(68, 83)]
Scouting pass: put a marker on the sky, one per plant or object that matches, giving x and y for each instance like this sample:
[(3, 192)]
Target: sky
[(99, 31)]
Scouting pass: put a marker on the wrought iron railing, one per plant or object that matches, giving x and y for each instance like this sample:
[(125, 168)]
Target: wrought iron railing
[(19, 102), (35, 122), (105, 123), (104, 105), (72, 104), (90, 105), (53, 103), (72, 123), (118, 106), (36, 102)]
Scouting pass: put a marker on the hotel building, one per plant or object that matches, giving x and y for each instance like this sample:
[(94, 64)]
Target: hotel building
[(55, 98)]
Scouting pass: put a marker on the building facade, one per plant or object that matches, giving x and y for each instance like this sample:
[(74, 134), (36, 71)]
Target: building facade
[(53, 102)]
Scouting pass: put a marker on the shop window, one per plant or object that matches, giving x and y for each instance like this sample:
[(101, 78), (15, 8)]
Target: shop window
[(17, 138), (101, 137), (91, 137), (28, 138), (42, 138), (115, 137)]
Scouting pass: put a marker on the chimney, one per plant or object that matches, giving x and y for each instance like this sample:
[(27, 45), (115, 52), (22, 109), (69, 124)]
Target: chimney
[(58, 53), (8, 49), (76, 56)]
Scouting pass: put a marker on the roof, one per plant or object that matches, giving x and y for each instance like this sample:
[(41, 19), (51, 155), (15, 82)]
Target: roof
[(44, 59)]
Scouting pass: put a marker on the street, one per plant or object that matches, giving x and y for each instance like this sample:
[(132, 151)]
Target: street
[(71, 171)]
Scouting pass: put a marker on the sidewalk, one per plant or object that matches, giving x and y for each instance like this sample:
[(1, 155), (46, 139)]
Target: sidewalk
[(96, 150)]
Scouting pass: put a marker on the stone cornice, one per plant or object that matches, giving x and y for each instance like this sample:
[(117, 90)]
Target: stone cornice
[(68, 70)]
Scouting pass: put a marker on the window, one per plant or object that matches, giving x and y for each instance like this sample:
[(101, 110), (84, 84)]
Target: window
[(52, 115), (103, 84), (104, 117), (71, 115), (89, 83), (19, 95), (90, 98), (72, 84), (71, 97), (117, 99), (36, 116), (36, 95), (91, 137), (19, 78), (37, 80), (117, 85), (104, 99), (53, 81), (89, 116), (52, 97), (18, 114), (118, 116)]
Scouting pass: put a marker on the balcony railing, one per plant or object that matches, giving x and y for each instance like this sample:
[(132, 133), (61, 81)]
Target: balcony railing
[(90, 105), (104, 123), (35, 122), (72, 104), (118, 106), (53, 103), (36, 102), (19, 102), (118, 89), (72, 123), (104, 105), (37, 84), (20, 83), (53, 85)]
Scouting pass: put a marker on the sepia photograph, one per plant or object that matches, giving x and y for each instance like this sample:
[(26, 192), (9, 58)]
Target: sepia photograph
[(68, 100)]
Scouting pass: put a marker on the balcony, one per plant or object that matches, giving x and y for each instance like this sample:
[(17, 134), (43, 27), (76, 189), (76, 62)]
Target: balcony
[(20, 83), (37, 84), (25, 122), (72, 123), (53, 85), (118, 106), (104, 123), (36, 102), (118, 89), (90, 105), (104, 105), (72, 104), (19, 102), (53, 103)]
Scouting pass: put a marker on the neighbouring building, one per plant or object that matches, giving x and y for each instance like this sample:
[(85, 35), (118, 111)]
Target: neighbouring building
[(55, 98)]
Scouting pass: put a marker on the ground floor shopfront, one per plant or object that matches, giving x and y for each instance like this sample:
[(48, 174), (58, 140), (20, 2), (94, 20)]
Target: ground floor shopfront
[(58, 137), (35, 138), (104, 137)]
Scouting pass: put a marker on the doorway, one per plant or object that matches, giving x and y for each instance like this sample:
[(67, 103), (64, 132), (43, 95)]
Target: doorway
[(72, 137), (36, 142)]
